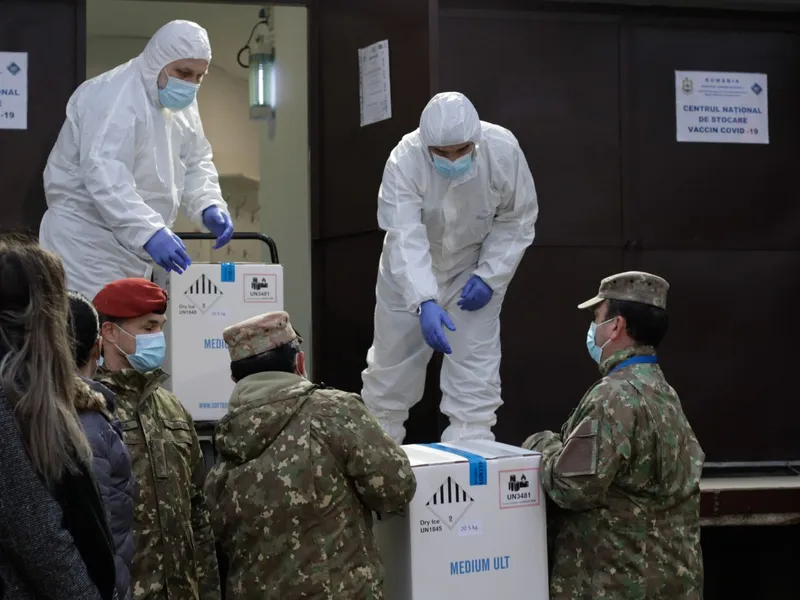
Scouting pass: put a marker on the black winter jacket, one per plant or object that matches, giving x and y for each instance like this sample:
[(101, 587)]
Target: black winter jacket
[(39, 559), (111, 464)]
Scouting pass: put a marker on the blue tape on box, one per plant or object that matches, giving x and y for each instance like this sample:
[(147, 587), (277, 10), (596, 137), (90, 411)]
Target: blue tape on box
[(228, 272), (477, 464)]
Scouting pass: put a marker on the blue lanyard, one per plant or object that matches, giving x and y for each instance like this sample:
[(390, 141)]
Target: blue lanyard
[(634, 360)]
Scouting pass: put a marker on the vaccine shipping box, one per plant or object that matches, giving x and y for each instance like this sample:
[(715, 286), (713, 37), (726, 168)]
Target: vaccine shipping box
[(475, 530), (203, 301)]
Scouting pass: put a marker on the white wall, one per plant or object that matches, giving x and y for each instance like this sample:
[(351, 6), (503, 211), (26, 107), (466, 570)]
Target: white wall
[(284, 193), (265, 181)]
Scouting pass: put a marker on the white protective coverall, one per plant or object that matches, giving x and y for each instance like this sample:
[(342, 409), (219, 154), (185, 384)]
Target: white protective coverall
[(439, 232), (123, 165)]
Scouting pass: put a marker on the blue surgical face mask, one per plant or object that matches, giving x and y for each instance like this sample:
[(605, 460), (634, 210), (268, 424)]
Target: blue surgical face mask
[(151, 348), (452, 169), (595, 351), (178, 94)]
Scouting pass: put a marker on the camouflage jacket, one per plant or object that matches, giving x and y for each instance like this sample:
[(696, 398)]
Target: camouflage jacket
[(175, 557), (300, 469), (625, 472)]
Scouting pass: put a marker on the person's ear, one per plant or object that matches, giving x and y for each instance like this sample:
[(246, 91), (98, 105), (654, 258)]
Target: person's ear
[(618, 328), (108, 331), (300, 364)]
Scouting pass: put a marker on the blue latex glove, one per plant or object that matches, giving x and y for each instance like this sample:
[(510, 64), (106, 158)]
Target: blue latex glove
[(431, 318), (476, 294), (168, 251), (218, 223)]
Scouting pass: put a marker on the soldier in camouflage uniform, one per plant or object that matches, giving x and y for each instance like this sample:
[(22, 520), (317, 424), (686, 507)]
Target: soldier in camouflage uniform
[(175, 557), (301, 468), (625, 469)]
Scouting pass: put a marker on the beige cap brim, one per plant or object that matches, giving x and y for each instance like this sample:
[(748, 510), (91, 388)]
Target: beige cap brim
[(590, 303)]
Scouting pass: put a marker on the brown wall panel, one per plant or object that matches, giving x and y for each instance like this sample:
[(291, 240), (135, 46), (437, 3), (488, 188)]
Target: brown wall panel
[(49, 31), (350, 266), (701, 195), (346, 243), (546, 368), (353, 157), (553, 80), (731, 351)]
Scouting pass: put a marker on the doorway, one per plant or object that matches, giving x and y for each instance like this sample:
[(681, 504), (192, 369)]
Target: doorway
[(264, 175)]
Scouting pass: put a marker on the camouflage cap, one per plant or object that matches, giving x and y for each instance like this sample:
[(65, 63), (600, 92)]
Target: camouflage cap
[(633, 286), (259, 334)]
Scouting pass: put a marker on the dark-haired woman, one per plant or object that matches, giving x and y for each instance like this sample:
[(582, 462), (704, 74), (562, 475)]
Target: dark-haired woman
[(54, 538)]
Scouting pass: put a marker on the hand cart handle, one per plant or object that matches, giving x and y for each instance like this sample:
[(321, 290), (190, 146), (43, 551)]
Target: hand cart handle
[(251, 235)]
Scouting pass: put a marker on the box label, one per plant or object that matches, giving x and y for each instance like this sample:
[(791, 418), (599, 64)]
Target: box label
[(214, 344), (450, 502), (468, 528), (479, 565), (260, 287), (201, 296), (432, 526), (518, 488)]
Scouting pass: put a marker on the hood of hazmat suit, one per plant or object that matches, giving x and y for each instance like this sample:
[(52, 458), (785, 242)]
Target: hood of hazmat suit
[(123, 165), (440, 232), (449, 119)]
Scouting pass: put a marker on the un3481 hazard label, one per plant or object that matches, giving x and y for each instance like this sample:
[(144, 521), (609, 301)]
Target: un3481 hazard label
[(260, 287), (518, 488)]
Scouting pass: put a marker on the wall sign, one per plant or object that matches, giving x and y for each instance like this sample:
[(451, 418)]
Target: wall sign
[(13, 90), (719, 107), (375, 89)]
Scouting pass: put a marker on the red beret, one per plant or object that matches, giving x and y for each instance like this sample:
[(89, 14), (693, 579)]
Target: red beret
[(129, 298)]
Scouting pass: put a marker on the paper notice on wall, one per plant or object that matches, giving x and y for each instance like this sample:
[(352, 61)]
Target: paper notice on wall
[(13, 90), (375, 85), (720, 107)]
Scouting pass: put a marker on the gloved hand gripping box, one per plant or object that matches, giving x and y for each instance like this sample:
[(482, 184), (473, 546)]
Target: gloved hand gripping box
[(476, 528)]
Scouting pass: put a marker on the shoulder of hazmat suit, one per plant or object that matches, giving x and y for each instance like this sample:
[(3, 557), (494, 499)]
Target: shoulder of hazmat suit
[(627, 469), (301, 468), (123, 165), (175, 557), (411, 195), (513, 228)]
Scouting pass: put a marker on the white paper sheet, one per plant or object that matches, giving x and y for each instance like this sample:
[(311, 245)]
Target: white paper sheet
[(375, 84)]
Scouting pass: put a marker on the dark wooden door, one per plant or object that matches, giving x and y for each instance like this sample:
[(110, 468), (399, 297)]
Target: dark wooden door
[(52, 32), (591, 99), (722, 223)]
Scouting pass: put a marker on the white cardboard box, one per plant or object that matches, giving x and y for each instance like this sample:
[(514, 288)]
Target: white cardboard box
[(203, 301), (475, 530)]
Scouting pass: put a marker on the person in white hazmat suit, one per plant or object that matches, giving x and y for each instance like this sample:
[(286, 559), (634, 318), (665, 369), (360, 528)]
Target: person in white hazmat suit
[(131, 153), (459, 207)]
